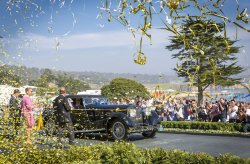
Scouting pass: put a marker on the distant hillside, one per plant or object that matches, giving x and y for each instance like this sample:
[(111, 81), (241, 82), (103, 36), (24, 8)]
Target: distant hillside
[(103, 78), (27, 74)]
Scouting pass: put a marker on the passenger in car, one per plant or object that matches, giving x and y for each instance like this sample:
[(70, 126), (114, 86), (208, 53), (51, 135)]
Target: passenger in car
[(77, 104)]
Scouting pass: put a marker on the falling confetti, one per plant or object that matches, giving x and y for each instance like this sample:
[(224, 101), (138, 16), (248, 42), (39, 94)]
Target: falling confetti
[(62, 2), (50, 29), (57, 44), (168, 20), (66, 34), (174, 12)]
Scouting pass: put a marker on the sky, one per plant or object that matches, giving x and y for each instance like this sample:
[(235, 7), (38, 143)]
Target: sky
[(69, 35)]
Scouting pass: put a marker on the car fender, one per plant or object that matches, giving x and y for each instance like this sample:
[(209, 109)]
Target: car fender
[(123, 117), (154, 118)]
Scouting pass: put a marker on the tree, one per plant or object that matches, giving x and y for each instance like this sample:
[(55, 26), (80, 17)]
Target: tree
[(46, 78), (72, 85), (122, 88), (45, 83), (9, 77), (205, 56), (49, 81), (175, 11)]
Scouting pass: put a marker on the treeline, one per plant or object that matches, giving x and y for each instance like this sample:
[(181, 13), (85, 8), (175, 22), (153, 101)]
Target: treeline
[(98, 77), (29, 74), (46, 80)]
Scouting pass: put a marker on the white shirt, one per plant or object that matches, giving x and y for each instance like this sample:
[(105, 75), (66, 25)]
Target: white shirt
[(233, 114), (179, 113), (248, 111)]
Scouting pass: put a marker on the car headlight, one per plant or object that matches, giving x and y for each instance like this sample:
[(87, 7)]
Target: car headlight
[(132, 112)]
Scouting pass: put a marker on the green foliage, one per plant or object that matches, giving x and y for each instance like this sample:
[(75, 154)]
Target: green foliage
[(118, 152), (46, 78), (48, 82), (9, 77), (42, 91), (229, 158), (159, 155), (122, 88), (231, 127), (73, 85)]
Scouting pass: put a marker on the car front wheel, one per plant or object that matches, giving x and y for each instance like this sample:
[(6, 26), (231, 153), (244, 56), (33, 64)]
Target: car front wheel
[(118, 130)]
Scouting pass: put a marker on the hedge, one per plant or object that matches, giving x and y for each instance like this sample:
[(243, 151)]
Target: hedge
[(229, 127), (118, 152)]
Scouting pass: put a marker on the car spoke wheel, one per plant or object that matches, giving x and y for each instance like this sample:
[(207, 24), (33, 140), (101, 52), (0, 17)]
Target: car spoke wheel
[(118, 130)]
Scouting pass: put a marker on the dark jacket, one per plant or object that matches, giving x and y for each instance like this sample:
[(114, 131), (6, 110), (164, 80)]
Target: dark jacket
[(63, 115), (224, 110), (14, 106)]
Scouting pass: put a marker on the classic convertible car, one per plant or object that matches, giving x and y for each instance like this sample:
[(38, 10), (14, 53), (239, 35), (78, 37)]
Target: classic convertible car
[(93, 113)]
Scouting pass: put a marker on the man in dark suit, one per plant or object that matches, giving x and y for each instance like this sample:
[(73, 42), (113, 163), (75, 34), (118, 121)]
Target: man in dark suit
[(63, 116), (15, 110)]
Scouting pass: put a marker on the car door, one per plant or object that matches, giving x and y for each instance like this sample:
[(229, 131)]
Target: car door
[(95, 114), (102, 114), (79, 114)]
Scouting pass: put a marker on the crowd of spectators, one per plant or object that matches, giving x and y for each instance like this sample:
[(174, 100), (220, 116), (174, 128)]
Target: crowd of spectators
[(182, 109)]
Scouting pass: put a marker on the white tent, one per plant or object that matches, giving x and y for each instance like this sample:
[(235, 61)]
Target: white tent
[(5, 93), (170, 90), (90, 92)]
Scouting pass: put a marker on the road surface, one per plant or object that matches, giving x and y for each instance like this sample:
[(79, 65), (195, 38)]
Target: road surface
[(214, 145)]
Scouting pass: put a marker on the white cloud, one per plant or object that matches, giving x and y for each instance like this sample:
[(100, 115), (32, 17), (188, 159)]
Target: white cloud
[(111, 39)]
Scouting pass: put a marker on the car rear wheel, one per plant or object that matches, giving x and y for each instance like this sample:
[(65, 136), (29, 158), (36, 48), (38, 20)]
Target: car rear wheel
[(118, 130), (149, 134)]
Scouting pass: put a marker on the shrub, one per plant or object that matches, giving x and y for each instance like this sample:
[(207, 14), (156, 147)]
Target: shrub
[(118, 152), (231, 127)]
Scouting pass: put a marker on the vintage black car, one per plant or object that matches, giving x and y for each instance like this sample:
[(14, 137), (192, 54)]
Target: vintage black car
[(94, 114)]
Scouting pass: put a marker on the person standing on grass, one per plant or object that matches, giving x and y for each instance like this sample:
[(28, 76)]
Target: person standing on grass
[(63, 118), (27, 113), (15, 111)]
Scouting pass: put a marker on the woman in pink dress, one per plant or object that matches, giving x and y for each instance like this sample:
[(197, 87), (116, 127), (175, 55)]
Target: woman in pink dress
[(27, 112)]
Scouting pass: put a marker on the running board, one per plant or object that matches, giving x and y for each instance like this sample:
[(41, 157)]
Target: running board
[(87, 131)]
